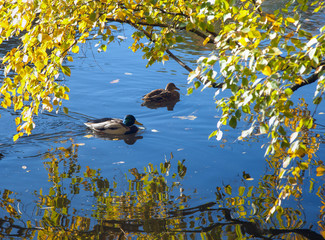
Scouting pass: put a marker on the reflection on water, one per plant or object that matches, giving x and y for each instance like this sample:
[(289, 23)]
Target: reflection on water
[(152, 206), (154, 105), (129, 139)]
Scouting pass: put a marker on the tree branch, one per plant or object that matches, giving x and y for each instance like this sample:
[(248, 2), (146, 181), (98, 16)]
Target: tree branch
[(309, 80), (180, 62)]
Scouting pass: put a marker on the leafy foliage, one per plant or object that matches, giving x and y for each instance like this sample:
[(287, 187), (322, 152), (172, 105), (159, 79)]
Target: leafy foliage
[(261, 58)]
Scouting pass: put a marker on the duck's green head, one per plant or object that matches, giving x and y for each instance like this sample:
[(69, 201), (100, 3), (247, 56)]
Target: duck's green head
[(129, 120)]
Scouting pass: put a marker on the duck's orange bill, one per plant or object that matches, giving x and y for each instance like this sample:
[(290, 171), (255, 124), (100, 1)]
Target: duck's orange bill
[(136, 122)]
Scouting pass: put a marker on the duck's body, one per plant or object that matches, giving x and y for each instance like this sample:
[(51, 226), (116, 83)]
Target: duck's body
[(163, 95), (114, 126)]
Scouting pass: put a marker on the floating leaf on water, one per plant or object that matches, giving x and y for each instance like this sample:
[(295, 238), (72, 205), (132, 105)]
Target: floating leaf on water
[(114, 81), (79, 144), (189, 117), (127, 73), (321, 113), (88, 136), (120, 162), (154, 130), (121, 37), (180, 149), (24, 167)]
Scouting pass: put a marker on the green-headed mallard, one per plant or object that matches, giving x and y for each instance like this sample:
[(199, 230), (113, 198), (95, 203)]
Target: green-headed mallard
[(163, 95), (114, 126)]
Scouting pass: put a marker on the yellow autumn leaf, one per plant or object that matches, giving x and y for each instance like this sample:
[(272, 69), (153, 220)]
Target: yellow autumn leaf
[(270, 17), (17, 120), (299, 80), (243, 41), (70, 59), (290, 20), (88, 136), (288, 36), (267, 71), (75, 49), (16, 136), (206, 41), (320, 171), (165, 58)]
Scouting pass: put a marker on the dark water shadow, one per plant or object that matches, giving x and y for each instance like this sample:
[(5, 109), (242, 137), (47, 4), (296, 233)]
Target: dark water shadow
[(129, 139), (154, 105)]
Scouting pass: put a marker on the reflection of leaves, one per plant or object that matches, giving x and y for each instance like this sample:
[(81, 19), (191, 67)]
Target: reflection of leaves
[(149, 208), (320, 171), (181, 169), (247, 177)]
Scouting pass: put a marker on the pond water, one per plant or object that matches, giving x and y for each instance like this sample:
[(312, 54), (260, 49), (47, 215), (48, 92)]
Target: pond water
[(111, 84)]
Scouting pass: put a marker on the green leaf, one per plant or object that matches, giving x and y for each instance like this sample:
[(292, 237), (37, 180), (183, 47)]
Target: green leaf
[(288, 92), (228, 189), (241, 191), (65, 110), (92, 16), (282, 131), (189, 90), (233, 122), (197, 84), (317, 100), (66, 70), (179, 39)]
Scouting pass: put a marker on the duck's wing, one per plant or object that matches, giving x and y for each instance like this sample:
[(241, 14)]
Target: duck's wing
[(165, 96), (106, 123), (153, 93)]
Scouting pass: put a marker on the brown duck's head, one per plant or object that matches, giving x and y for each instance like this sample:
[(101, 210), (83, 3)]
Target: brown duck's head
[(171, 87)]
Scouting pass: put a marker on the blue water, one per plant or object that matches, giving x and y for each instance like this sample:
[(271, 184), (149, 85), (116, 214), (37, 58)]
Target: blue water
[(111, 84)]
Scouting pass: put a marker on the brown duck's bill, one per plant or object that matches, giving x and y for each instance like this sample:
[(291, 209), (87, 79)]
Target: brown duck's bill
[(136, 122)]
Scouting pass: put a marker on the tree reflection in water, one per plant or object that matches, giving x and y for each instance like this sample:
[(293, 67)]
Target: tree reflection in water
[(153, 207)]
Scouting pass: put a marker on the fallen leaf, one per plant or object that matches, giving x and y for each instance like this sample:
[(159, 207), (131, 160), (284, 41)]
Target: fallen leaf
[(189, 117), (88, 136), (121, 37), (114, 81), (120, 162), (127, 73), (79, 144)]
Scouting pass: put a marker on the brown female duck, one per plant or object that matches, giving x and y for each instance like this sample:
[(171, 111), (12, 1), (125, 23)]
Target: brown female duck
[(169, 94)]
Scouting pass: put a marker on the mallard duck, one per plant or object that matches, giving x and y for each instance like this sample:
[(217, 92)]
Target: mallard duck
[(163, 95), (114, 126)]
